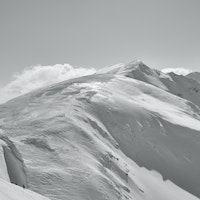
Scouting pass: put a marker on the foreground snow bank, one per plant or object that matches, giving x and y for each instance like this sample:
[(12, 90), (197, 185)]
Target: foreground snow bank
[(10, 191)]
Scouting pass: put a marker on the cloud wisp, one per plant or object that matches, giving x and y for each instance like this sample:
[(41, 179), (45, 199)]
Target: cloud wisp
[(39, 76), (179, 71)]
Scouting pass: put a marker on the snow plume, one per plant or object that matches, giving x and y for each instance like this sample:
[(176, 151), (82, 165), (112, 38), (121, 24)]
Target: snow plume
[(39, 76), (179, 71)]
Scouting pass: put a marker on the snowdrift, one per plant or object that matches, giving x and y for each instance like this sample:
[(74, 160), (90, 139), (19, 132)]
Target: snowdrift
[(12, 170), (10, 191)]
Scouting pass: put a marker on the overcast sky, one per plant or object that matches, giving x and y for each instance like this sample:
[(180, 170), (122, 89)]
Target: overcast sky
[(98, 33)]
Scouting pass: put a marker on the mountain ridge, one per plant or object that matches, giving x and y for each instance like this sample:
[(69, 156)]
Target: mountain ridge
[(179, 85), (108, 136), (195, 76)]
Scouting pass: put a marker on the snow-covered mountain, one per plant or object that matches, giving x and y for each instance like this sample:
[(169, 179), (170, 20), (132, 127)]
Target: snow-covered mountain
[(195, 76), (182, 86), (126, 132)]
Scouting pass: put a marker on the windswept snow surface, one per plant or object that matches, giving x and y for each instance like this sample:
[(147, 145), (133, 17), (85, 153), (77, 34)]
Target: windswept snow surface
[(10, 191), (106, 137), (11, 170), (187, 87)]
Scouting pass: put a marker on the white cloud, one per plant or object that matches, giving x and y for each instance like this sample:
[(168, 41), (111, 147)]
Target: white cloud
[(39, 76), (179, 71)]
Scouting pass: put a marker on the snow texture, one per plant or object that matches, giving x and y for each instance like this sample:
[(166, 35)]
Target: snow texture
[(12, 170), (123, 133)]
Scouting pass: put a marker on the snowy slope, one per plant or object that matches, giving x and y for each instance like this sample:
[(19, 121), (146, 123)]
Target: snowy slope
[(195, 76), (182, 86), (106, 137), (10, 191)]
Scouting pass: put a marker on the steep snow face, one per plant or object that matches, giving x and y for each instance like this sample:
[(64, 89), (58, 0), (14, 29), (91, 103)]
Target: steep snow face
[(182, 86), (14, 163), (106, 137), (3, 169), (195, 76), (12, 170)]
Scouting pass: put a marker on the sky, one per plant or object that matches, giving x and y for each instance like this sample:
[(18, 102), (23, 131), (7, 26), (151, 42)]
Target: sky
[(97, 33)]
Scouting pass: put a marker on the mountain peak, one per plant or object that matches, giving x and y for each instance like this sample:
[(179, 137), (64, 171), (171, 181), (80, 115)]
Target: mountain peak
[(137, 70), (123, 68), (136, 65)]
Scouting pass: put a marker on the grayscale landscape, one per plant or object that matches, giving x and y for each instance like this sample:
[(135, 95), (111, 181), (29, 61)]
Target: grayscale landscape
[(121, 133), (106, 126)]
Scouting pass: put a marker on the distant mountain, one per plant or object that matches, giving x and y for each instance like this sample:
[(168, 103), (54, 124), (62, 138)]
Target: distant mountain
[(195, 76), (127, 132)]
